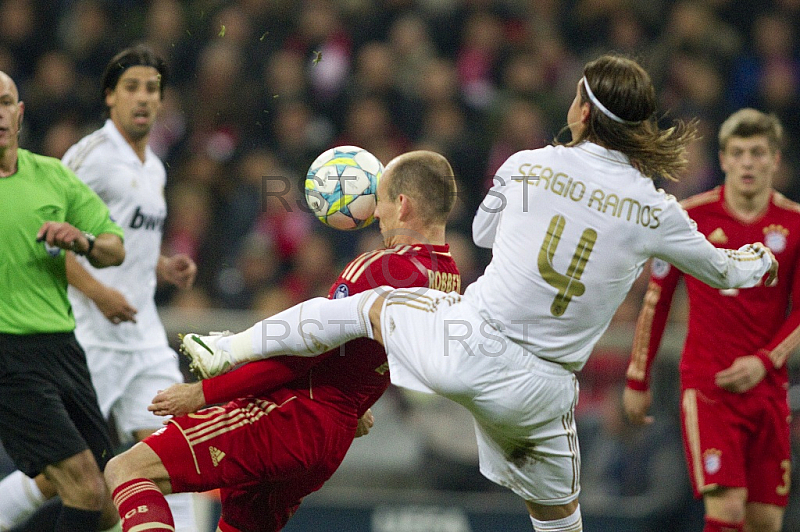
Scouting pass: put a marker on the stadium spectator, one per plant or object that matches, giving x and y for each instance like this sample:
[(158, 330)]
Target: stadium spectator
[(629, 469)]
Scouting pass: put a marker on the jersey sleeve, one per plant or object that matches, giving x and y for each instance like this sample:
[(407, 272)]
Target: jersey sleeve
[(651, 323), (256, 378), (682, 245), (86, 168), (367, 404), (87, 211), (487, 218)]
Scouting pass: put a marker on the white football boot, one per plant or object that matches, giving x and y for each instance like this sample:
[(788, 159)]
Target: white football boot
[(206, 359)]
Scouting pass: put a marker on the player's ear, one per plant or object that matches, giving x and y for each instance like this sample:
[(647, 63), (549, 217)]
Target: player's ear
[(585, 111), (723, 162), (406, 208), (110, 99)]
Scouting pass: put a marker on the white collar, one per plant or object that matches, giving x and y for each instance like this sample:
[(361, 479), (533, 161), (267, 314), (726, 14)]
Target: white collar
[(604, 153), (124, 148)]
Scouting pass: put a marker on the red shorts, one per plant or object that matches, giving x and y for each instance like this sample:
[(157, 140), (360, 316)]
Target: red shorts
[(264, 454), (251, 510), (737, 441)]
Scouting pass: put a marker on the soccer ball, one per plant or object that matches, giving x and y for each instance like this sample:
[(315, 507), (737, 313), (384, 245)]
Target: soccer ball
[(341, 186)]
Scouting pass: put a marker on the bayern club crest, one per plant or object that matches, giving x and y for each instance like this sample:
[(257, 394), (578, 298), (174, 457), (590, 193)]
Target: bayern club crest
[(341, 292), (775, 237), (712, 461)]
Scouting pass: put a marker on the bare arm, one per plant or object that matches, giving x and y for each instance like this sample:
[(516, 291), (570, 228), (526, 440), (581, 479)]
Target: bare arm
[(178, 400), (112, 303), (107, 250)]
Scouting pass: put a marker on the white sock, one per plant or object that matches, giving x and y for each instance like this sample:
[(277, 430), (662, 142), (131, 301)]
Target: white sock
[(307, 329), (20, 498), (572, 523), (182, 507)]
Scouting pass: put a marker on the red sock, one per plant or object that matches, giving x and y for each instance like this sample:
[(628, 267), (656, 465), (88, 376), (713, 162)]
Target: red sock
[(716, 525), (140, 502), (225, 527)]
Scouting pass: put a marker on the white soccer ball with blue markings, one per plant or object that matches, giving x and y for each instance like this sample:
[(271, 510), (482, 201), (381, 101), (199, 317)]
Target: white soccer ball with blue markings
[(341, 186)]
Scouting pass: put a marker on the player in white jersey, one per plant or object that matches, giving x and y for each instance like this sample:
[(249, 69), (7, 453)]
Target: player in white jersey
[(570, 228), (117, 322)]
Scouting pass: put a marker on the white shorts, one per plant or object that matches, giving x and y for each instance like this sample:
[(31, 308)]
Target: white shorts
[(523, 406), (126, 382)]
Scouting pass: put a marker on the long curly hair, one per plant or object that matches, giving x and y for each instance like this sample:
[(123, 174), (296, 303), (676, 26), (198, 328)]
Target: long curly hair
[(625, 89)]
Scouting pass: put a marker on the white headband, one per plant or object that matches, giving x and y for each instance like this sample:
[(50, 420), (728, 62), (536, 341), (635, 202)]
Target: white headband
[(603, 108)]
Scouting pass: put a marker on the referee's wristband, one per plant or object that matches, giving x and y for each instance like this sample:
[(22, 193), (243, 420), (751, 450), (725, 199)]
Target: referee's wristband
[(90, 238)]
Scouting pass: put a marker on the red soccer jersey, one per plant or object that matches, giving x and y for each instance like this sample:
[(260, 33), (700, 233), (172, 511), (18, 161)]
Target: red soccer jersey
[(268, 452), (727, 324), (353, 377)]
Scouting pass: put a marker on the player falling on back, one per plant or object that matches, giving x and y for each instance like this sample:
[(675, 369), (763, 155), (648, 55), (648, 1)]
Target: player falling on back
[(298, 417)]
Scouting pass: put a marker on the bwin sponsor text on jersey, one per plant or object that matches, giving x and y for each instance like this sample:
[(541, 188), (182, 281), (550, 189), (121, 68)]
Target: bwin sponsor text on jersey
[(141, 220)]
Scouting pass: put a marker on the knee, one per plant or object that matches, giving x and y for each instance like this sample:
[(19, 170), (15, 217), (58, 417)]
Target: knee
[(118, 471), (755, 525), (92, 491), (763, 522), (79, 482), (549, 513), (726, 504)]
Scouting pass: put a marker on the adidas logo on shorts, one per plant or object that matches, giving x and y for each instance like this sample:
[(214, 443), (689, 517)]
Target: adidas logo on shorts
[(216, 455)]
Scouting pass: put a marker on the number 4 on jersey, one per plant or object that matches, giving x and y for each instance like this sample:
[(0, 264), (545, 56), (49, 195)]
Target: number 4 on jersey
[(568, 285)]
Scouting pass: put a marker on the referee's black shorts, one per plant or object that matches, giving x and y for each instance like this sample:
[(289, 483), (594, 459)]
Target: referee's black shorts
[(48, 406)]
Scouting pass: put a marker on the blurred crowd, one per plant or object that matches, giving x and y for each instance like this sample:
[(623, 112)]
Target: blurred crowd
[(258, 88)]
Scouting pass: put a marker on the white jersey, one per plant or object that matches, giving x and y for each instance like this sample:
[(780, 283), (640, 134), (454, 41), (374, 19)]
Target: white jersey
[(570, 229), (134, 193)]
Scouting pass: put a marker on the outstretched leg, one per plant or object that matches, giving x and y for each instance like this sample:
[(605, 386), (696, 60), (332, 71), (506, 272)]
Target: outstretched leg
[(306, 329)]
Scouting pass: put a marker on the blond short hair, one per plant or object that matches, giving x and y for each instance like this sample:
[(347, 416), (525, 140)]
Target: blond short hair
[(746, 123)]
